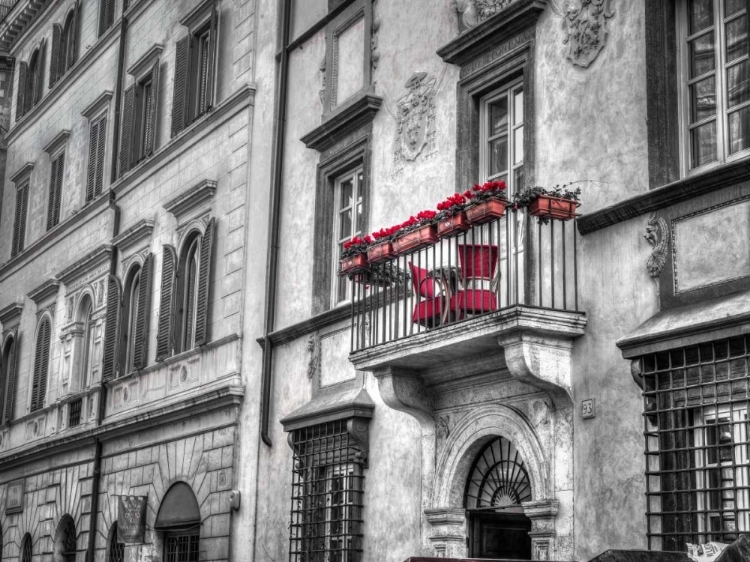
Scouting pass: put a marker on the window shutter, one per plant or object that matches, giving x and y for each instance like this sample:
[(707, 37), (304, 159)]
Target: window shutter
[(111, 328), (41, 366), (127, 130), (106, 15), (58, 187), (73, 44), (19, 227), (140, 338), (10, 382), (201, 313), (93, 150), (23, 70), (164, 335), (55, 188), (40, 71), (180, 98), (148, 150), (212, 60), (58, 55), (99, 179)]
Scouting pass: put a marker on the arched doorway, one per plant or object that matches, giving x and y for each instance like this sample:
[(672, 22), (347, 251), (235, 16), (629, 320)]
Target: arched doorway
[(116, 549), (65, 540), (497, 485), (179, 520)]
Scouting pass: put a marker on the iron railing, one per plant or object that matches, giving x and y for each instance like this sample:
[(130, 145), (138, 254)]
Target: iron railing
[(74, 412), (514, 260)]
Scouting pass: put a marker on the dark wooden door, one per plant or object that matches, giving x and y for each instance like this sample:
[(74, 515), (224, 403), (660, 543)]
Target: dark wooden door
[(500, 535)]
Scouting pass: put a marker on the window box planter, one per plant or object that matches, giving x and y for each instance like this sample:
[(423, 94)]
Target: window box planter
[(547, 207), (381, 252), (416, 239), (486, 211), (353, 264), (452, 226)]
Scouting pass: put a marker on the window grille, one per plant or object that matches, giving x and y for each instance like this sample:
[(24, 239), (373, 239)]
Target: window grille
[(116, 549), (697, 468), (74, 414), (181, 548), (327, 490), (498, 478)]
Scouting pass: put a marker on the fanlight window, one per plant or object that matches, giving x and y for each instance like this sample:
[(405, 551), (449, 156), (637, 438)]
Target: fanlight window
[(498, 477)]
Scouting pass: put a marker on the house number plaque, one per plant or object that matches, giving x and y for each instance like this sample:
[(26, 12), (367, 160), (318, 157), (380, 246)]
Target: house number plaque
[(587, 409)]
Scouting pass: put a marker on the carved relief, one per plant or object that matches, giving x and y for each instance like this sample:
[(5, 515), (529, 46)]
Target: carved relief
[(69, 308), (322, 69), (442, 427), (473, 12), (415, 120), (374, 53), (313, 365), (657, 234), (586, 22)]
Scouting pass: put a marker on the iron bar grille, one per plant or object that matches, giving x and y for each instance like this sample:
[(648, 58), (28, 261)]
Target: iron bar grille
[(696, 427), (74, 413), (498, 478), (514, 260), (181, 548), (327, 490)]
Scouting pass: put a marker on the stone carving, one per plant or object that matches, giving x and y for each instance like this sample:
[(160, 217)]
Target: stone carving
[(69, 308), (541, 550), (442, 427), (473, 12), (586, 22), (100, 293), (358, 431), (313, 365), (374, 53), (322, 69), (657, 235), (415, 120)]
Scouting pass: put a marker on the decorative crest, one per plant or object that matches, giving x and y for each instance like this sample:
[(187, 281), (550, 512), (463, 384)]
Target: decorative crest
[(415, 117), (586, 22), (657, 235), (473, 12)]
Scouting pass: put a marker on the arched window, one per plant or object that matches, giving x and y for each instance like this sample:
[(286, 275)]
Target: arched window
[(179, 519), (116, 549), (41, 364), (68, 44), (26, 548), (33, 81), (134, 319), (188, 303), (65, 541), (86, 311), (8, 378), (132, 296)]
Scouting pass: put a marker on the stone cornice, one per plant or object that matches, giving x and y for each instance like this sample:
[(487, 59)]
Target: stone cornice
[(23, 173), (10, 313), (139, 231), (494, 31), (20, 24), (313, 324), (343, 121), (136, 9), (192, 135), (665, 196), (85, 61), (92, 260), (146, 60), (197, 14), (98, 105), (36, 248), (57, 141), (355, 403), (190, 199), (44, 291)]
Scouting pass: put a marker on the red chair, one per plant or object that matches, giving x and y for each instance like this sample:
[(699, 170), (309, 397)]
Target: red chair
[(429, 311), (478, 269)]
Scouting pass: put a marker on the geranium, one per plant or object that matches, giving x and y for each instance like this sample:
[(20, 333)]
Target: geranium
[(355, 246), (492, 189), (452, 205), (525, 197)]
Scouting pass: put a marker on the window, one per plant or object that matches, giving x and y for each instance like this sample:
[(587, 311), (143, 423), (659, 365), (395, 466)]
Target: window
[(106, 15), (139, 119), (181, 548), (179, 519), (327, 490), (87, 351), (63, 54), (715, 81), (501, 132), (8, 378), (116, 549), (55, 191), (26, 548), (194, 82), (348, 221), (74, 412), (41, 365), (698, 479), (132, 319), (19, 224), (189, 297), (30, 81), (97, 146), (65, 540), (133, 348)]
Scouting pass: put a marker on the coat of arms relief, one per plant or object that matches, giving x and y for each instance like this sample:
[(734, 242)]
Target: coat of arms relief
[(415, 120)]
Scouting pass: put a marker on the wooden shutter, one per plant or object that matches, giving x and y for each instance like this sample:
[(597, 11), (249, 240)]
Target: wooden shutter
[(99, 180), (73, 44), (204, 278), (106, 15), (180, 102), (39, 80), (127, 130), (11, 367), (164, 335), (93, 150), (151, 103), (140, 338), (57, 57), (19, 226), (41, 366), (23, 70), (111, 328), (212, 59), (55, 191)]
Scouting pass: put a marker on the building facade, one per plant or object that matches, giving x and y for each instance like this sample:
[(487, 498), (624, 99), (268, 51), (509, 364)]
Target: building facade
[(127, 133)]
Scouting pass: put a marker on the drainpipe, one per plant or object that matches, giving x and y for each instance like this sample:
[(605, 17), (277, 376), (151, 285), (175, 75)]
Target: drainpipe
[(96, 477), (282, 65)]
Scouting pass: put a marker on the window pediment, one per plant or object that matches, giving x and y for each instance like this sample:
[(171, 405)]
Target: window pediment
[(198, 15), (191, 199), (23, 173), (137, 233), (45, 292), (146, 61), (57, 142), (98, 105), (89, 267), (11, 315)]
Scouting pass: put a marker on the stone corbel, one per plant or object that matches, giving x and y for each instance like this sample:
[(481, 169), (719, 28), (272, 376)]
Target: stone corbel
[(636, 371), (543, 362), (358, 431), (404, 391)]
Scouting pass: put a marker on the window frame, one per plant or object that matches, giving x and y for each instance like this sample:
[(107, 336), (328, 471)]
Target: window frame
[(190, 254), (358, 210), (684, 81), (55, 188), (40, 372), (20, 221), (128, 320), (96, 157)]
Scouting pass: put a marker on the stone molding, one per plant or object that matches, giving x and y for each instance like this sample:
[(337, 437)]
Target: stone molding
[(139, 231), (146, 61), (11, 315), (99, 256), (136, 9), (197, 14), (328, 407), (98, 105), (45, 291), (342, 122), (191, 199), (448, 530), (57, 142), (23, 173)]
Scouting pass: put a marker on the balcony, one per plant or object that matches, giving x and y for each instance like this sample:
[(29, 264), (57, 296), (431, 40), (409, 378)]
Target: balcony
[(457, 300)]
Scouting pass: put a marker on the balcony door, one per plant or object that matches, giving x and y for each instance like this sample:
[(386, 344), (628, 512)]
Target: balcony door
[(499, 535)]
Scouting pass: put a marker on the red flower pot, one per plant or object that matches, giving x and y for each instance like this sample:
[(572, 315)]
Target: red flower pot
[(353, 264), (451, 226), (553, 208), (381, 252), (486, 211), (416, 239)]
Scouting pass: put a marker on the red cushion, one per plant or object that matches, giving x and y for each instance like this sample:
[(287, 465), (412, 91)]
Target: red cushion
[(428, 312), (477, 260), (424, 285), (474, 301)]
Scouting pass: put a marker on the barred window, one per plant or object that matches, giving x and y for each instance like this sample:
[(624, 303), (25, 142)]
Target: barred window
[(696, 419), (327, 490)]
